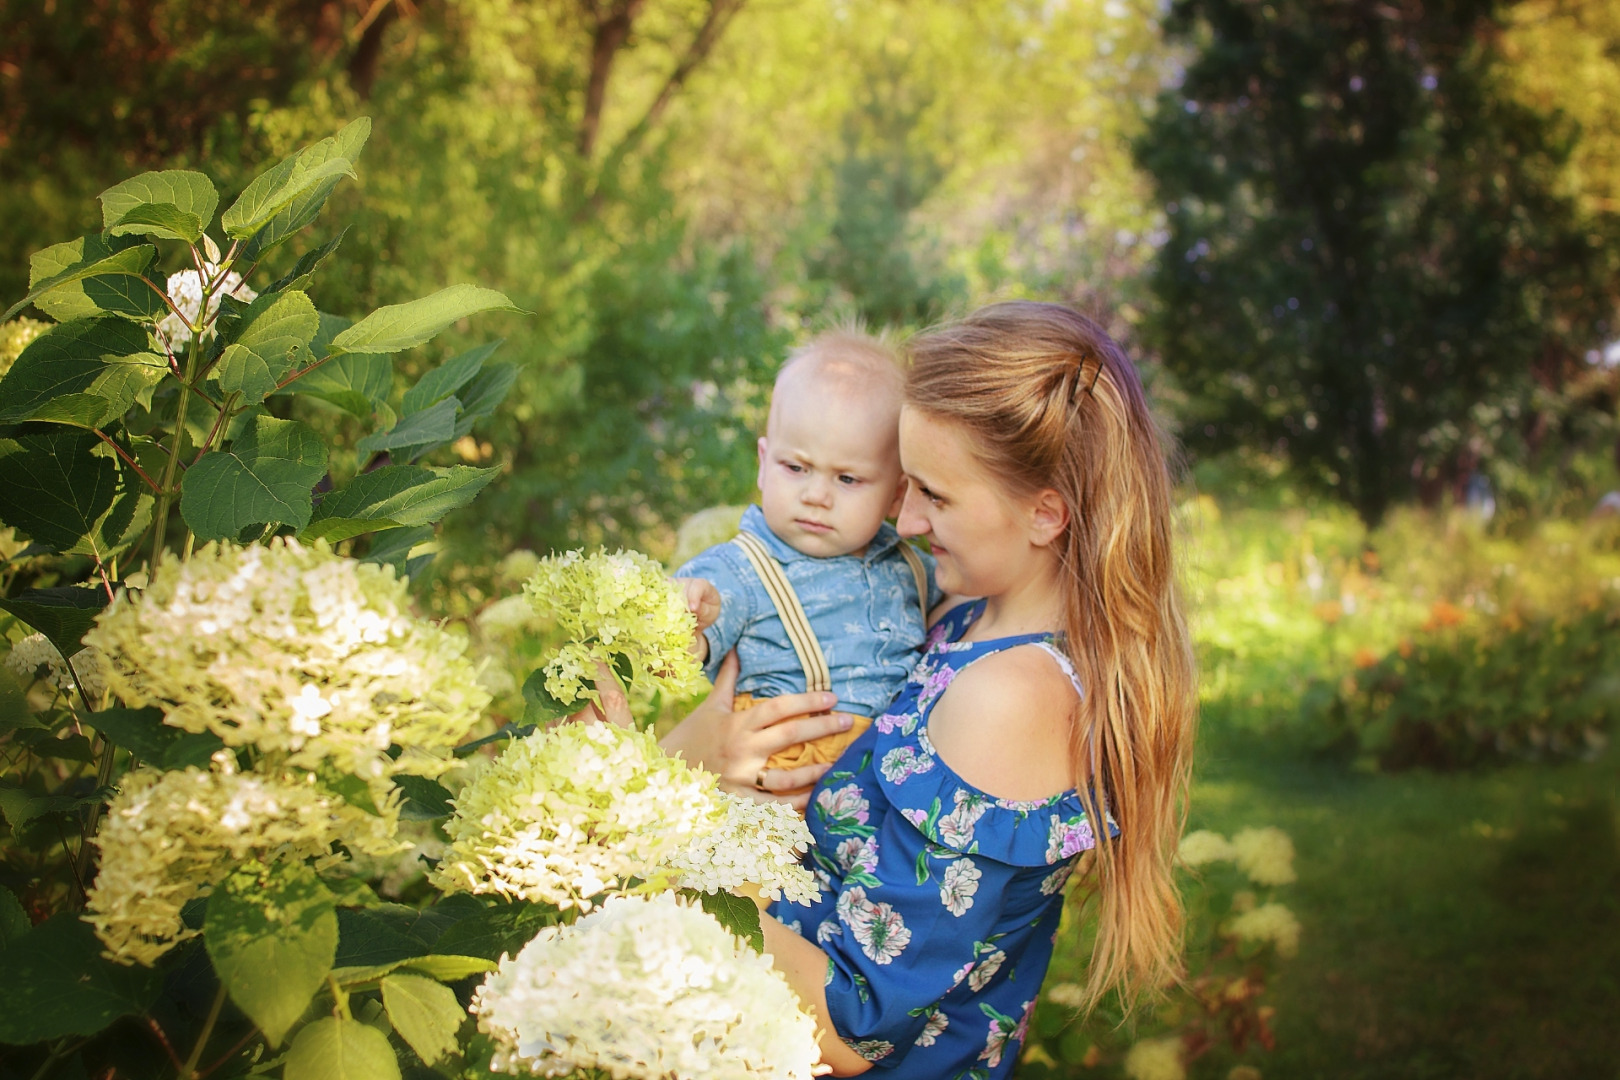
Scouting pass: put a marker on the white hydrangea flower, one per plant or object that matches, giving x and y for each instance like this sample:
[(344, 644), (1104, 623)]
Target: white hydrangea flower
[(1265, 855), (1268, 922), (518, 566), (1155, 1059), (312, 659), (606, 605), (573, 812), (170, 837), (757, 844), (186, 290), (1203, 847), (35, 657), (646, 988), (507, 616), (1067, 994), (14, 338)]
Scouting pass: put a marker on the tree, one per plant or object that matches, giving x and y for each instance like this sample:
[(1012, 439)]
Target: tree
[(1370, 251)]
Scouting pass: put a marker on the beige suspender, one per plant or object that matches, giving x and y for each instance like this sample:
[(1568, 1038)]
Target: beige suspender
[(786, 601)]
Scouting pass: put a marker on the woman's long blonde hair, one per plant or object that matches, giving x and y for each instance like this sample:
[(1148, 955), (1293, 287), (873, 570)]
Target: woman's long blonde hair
[(1050, 401)]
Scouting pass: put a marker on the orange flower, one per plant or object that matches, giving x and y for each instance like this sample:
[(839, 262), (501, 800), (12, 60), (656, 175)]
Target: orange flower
[(1366, 658), (1404, 648), (1330, 611), (1443, 614)]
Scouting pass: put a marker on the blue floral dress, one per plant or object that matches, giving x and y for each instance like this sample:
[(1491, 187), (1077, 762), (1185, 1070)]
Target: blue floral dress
[(940, 902)]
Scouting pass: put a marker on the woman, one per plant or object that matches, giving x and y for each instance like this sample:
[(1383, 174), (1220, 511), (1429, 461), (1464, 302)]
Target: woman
[(1062, 698)]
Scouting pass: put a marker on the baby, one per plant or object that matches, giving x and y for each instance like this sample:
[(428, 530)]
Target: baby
[(818, 592)]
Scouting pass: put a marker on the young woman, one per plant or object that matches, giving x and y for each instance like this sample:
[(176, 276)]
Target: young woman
[(1050, 716)]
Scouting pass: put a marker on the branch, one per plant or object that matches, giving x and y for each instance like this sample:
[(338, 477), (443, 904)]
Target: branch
[(715, 21), (608, 36), (104, 437), (302, 372)]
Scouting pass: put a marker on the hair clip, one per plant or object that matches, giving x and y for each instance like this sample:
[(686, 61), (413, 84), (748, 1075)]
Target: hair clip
[(1095, 375)]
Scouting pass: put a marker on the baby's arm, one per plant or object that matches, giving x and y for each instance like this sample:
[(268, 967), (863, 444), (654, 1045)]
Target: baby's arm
[(715, 583), (703, 601)]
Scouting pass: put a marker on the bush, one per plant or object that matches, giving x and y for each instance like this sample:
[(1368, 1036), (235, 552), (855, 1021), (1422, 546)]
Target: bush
[(1461, 693)]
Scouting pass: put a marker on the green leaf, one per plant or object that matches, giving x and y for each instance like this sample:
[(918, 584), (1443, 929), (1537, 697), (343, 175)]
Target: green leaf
[(370, 938), (14, 924), (480, 397), (90, 276), (416, 433), (502, 929), (447, 378), (274, 189), (85, 372), (143, 733), (187, 197), (738, 914), (274, 336), (333, 1048), (57, 984), (358, 383), (539, 706), (272, 935), (425, 799), (15, 713), (397, 495), (307, 264), (449, 968), (402, 326), (425, 1013), (304, 208), (264, 478), (63, 613), (393, 547), (56, 489)]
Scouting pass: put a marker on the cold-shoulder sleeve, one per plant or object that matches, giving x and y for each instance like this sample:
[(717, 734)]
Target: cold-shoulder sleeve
[(934, 894)]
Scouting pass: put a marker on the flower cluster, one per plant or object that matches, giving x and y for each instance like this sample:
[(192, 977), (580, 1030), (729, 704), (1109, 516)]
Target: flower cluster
[(312, 659), (186, 290), (34, 657), (646, 987), (1155, 1059), (14, 338), (758, 844), (607, 607), (170, 837), (573, 812), (1203, 847), (1265, 855), (1271, 923)]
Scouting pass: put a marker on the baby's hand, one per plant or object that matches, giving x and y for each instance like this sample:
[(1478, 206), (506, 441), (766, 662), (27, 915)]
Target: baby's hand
[(703, 601)]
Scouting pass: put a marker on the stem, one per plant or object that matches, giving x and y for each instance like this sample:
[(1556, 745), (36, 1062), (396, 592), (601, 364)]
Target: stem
[(104, 770), (340, 999), (56, 1055), (189, 1069), (160, 524), (302, 372), (232, 1052), (131, 462), (219, 422)]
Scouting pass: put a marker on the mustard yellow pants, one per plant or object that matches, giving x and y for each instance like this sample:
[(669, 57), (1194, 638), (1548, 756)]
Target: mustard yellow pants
[(822, 751)]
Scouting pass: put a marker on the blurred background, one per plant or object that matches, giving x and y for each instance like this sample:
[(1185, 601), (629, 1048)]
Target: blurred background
[(1367, 256)]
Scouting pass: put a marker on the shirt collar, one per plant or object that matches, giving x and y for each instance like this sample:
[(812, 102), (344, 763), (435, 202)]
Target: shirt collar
[(753, 521)]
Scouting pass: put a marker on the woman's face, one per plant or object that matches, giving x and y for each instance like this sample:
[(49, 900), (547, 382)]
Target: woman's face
[(987, 543)]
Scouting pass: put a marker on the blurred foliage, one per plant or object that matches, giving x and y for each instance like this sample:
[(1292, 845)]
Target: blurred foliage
[(1373, 257)]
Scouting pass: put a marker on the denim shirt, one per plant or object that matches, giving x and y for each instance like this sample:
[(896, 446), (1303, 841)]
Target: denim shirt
[(863, 609)]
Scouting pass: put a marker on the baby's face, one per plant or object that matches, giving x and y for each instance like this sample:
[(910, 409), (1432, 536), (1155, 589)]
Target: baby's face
[(829, 472)]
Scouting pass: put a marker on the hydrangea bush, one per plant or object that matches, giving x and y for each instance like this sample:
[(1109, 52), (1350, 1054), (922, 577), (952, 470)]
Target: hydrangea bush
[(221, 720)]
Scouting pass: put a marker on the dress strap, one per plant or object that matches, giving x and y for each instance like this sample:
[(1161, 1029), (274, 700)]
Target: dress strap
[(1063, 662), (817, 676)]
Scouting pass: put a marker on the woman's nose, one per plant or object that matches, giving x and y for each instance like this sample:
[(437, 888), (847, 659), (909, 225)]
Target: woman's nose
[(912, 521)]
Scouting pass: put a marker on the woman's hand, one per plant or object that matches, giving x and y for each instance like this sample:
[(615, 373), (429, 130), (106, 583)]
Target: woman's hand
[(735, 745)]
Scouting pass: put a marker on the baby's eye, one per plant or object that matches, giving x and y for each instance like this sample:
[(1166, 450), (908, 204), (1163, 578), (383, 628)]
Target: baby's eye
[(792, 467), (848, 480)]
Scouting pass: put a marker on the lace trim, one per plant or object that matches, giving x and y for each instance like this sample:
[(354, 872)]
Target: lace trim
[(1062, 659)]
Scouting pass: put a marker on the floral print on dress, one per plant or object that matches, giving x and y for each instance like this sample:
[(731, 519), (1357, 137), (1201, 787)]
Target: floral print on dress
[(878, 927), (938, 1022), (858, 858), (956, 827), (845, 812), (889, 723), (985, 970), (960, 882), (936, 683), (904, 762), (1003, 1030), (1054, 882), (871, 1049), (1066, 839)]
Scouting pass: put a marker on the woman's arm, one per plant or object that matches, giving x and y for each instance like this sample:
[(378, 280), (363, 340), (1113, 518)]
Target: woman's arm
[(804, 966)]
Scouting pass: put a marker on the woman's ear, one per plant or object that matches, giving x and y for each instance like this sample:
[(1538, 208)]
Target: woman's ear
[(1048, 517)]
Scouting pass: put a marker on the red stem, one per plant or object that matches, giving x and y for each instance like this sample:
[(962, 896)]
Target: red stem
[(104, 437)]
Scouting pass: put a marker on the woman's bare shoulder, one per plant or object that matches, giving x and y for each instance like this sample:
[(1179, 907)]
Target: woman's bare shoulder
[(1005, 725)]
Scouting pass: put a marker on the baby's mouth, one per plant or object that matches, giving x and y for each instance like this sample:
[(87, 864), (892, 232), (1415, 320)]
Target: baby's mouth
[(814, 526)]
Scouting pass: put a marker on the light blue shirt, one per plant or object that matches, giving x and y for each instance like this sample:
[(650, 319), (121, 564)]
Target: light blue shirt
[(863, 609)]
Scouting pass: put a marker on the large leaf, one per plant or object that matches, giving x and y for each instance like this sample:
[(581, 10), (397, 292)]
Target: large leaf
[(447, 378), (54, 488), (143, 733), (304, 208), (274, 189), (307, 264), (393, 547), (416, 433), (272, 338), (63, 613), (358, 383), (425, 1013), (264, 478), (14, 924), (480, 397), (333, 1048), (89, 360), (176, 204), (403, 326), (371, 938), (272, 934), (500, 929), (92, 275), (397, 495), (425, 799), (58, 984), (738, 914)]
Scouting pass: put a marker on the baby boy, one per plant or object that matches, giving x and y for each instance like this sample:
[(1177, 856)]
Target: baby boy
[(818, 592)]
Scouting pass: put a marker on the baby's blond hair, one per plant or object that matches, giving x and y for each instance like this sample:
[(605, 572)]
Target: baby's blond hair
[(847, 359)]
